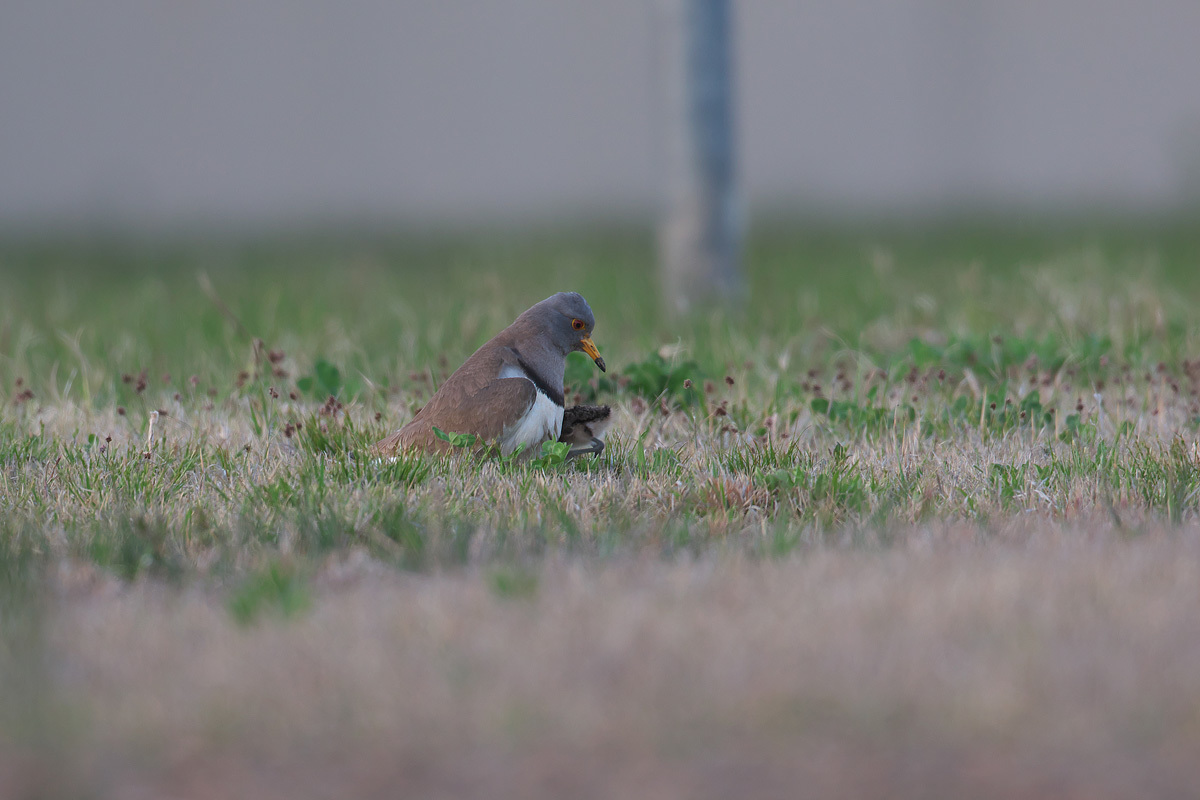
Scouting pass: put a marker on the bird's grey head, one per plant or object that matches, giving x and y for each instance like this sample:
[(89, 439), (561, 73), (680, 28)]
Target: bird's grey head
[(567, 321)]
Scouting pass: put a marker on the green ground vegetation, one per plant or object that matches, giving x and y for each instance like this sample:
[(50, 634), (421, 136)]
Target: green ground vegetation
[(919, 519), (180, 409)]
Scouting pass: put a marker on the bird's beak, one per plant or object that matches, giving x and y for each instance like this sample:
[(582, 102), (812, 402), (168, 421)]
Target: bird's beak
[(589, 347)]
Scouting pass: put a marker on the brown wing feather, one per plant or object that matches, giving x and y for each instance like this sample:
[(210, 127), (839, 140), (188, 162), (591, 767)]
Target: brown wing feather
[(486, 413), (472, 400)]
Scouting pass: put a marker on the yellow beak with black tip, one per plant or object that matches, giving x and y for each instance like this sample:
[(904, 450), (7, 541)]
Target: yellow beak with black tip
[(589, 347)]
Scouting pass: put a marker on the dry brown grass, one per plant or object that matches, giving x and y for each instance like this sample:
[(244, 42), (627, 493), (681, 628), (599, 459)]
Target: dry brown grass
[(838, 573), (1043, 662)]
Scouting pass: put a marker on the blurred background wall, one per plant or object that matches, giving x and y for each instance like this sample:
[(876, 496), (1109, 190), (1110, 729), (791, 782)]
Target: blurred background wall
[(153, 114)]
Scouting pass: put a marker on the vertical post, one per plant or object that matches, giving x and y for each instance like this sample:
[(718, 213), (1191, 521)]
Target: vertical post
[(700, 232)]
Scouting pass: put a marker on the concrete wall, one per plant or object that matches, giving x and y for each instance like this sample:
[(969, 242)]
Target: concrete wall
[(245, 112)]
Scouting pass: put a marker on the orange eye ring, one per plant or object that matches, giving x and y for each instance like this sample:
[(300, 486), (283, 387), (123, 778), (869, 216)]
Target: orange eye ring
[(577, 324)]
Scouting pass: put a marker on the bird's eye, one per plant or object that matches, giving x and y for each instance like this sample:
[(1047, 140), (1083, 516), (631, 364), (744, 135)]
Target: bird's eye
[(577, 324)]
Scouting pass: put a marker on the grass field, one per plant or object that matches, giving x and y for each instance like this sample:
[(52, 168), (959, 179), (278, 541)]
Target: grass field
[(920, 519)]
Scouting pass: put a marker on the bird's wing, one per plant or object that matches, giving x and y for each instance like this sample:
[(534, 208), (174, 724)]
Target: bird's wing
[(490, 411), (487, 413)]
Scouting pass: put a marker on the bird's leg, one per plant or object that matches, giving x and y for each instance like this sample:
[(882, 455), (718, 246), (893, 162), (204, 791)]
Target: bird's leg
[(594, 447)]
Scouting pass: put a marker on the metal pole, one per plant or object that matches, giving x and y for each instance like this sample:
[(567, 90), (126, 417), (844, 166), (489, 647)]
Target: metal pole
[(701, 230)]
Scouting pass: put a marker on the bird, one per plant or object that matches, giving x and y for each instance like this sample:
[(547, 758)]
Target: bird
[(510, 391), (584, 427)]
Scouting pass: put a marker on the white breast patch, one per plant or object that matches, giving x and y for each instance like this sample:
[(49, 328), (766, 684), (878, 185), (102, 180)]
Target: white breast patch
[(542, 422)]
